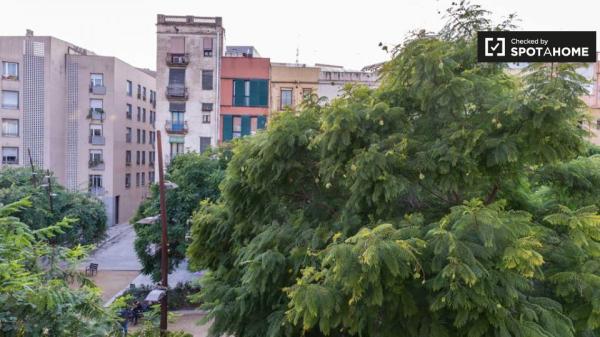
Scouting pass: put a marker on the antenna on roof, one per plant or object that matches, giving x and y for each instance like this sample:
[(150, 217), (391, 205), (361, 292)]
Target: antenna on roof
[(297, 55)]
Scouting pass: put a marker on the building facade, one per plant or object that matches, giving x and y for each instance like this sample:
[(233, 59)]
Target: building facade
[(244, 95), (332, 79), (66, 109), (188, 67), (291, 83), (592, 73)]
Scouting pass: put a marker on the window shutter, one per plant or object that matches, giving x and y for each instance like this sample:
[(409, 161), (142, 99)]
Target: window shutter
[(245, 125), (177, 45), (227, 127), (239, 92), (207, 43), (254, 92), (263, 93), (262, 122)]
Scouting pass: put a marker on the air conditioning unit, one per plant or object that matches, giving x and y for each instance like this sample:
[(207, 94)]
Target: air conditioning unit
[(178, 59)]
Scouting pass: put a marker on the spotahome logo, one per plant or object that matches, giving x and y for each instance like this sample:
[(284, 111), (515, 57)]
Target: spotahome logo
[(527, 46)]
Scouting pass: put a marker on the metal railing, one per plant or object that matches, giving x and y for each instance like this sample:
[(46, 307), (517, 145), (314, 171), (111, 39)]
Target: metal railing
[(176, 126), (177, 92)]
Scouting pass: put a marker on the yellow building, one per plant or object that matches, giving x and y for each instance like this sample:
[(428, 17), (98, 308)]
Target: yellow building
[(290, 83)]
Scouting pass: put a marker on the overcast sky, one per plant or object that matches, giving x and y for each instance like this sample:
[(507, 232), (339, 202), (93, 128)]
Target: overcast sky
[(325, 31)]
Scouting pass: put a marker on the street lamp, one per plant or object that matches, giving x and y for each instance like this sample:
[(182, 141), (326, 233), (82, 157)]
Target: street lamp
[(164, 263)]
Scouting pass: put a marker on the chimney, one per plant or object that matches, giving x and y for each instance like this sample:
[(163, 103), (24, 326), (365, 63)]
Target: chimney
[(29, 32)]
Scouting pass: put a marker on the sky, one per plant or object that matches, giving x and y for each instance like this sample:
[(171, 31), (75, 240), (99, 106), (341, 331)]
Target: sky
[(336, 32)]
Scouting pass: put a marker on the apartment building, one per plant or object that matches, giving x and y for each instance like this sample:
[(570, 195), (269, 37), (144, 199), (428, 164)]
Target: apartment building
[(68, 110), (592, 73), (188, 64), (332, 79), (291, 83), (244, 93)]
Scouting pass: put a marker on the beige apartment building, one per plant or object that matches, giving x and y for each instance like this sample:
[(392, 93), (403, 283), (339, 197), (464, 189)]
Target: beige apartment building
[(88, 118), (332, 79), (592, 73), (291, 83), (188, 67)]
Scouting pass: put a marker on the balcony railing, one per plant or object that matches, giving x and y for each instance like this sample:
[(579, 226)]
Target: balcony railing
[(177, 92), (97, 140), (97, 89), (176, 127), (96, 164), (96, 114), (180, 60), (96, 191)]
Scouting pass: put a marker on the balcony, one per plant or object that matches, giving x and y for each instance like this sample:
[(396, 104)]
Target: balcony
[(176, 127), (97, 89), (97, 191), (96, 114), (177, 92), (97, 140), (178, 60), (96, 164)]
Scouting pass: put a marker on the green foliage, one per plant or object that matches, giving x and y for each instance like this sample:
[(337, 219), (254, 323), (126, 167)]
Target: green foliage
[(178, 296), (151, 325), (41, 291), (90, 227), (197, 177), (428, 207)]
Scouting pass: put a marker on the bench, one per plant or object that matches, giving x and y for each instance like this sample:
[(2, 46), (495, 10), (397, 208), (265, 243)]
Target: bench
[(91, 269)]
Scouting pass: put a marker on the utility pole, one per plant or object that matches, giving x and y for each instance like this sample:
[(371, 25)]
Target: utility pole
[(33, 179), (164, 245), (50, 191)]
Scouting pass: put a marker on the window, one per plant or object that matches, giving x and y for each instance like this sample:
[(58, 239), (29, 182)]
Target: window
[(144, 115), (177, 120), (129, 89), (95, 158), (207, 80), (128, 135), (207, 43), (204, 144), (151, 157), (144, 93), (143, 157), (207, 106), (152, 118), (143, 136), (176, 148), (95, 183), (150, 137), (150, 177), (143, 179), (129, 111), (306, 92), (128, 158), (10, 70), (10, 99), (137, 179), (177, 77), (286, 98), (139, 135), (127, 180), (96, 134), (139, 114), (10, 155), (139, 91), (237, 127), (10, 127), (205, 118), (137, 157), (598, 124), (250, 92), (97, 80)]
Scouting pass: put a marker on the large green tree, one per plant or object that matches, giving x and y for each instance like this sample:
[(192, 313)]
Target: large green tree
[(197, 177), (42, 292), (428, 207), (52, 203)]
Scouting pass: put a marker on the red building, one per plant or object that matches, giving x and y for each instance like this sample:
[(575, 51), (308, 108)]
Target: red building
[(244, 95)]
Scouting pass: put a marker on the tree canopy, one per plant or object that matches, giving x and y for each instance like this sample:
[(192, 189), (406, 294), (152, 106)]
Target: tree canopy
[(52, 203), (444, 203), (197, 177), (41, 291)]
